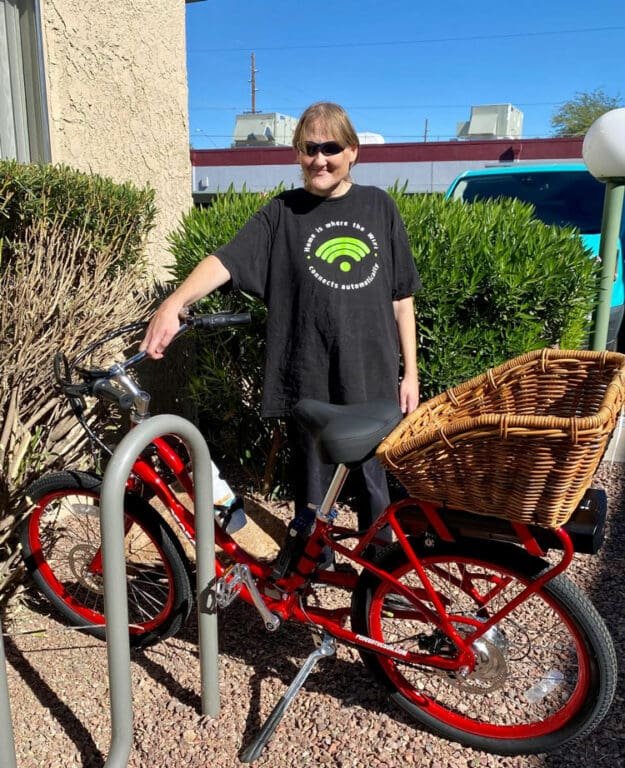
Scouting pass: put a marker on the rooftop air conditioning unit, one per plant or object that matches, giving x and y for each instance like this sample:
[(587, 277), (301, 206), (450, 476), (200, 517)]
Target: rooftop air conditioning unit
[(492, 121), (367, 137), (263, 129)]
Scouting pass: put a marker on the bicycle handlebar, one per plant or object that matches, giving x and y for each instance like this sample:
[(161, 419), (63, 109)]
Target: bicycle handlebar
[(196, 323), (104, 388), (216, 321), (97, 381)]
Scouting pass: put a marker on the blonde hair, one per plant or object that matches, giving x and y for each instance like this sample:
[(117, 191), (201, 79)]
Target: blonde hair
[(333, 118)]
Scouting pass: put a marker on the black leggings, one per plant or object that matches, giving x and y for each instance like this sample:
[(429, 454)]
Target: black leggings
[(366, 484)]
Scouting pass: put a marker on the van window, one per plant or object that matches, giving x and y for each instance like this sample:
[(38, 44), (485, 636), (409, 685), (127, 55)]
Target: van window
[(574, 198)]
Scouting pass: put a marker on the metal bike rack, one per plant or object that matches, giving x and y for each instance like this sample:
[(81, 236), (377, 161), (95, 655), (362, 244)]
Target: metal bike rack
[(114, 572), (7, 751), (116, 593)]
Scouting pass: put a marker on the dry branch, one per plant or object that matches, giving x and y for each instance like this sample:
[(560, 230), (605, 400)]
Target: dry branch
[(57, 292)]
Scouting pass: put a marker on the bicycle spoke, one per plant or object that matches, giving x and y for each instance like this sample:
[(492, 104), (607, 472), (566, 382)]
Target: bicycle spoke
[(70, 539), (511, 657)]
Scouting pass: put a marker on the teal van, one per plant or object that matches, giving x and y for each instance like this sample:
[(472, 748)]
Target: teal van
[(564, 194)]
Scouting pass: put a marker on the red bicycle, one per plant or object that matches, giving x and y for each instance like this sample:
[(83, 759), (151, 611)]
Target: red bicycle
[(463, 620)]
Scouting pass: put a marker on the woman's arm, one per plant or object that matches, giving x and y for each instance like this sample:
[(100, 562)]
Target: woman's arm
[(209, 275), (407, 330)]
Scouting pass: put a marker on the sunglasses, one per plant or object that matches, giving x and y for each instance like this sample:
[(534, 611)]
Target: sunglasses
[(327, 148)]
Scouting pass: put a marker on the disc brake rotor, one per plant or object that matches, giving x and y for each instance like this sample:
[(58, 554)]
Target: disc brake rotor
[(491, 667)]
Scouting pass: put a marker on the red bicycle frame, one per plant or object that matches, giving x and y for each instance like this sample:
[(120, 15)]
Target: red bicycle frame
[(425, 602)]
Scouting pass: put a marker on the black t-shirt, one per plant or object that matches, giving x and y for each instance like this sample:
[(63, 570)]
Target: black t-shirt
[(328, 270)]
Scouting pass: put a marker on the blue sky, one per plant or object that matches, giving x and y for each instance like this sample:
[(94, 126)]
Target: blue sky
[(395, 64)]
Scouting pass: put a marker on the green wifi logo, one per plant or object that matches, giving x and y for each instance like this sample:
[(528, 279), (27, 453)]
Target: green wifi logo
[(343, 248)]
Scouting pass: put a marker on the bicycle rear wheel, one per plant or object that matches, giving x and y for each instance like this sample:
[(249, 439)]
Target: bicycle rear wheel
[(555, 636), (61, 548)]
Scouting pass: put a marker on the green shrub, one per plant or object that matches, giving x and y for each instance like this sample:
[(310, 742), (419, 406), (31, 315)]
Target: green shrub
[(203, 230), (496, 283), (113, 217)]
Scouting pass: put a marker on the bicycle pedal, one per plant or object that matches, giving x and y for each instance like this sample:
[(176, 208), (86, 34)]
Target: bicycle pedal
[(227, 589)]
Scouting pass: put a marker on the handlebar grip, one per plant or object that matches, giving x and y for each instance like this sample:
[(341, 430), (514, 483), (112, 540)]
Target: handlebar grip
[(104, 388), (224, 320)]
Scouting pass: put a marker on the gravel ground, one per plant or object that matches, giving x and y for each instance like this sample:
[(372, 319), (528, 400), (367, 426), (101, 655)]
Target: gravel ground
[(59, 692)]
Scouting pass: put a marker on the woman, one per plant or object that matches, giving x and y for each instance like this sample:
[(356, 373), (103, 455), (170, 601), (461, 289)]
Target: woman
[(332, 262)]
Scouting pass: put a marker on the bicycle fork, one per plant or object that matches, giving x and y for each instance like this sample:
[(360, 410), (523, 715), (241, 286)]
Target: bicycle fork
[(326, 647)]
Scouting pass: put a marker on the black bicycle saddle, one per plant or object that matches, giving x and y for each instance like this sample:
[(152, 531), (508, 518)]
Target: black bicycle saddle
[(347, 434)]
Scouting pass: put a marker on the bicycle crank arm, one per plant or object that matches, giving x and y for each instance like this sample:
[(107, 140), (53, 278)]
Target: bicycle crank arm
[(327, 648), (229, 586)]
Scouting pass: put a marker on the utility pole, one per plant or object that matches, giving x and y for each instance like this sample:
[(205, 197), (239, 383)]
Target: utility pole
[(425, 132), (253, 83)]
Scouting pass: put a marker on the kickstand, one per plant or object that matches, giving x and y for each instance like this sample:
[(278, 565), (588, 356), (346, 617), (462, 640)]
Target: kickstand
[(327, 647)]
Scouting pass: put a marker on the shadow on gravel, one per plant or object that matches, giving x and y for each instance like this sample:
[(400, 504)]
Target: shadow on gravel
[(158, 673), (278, 656), (606, 589), (90, 755)]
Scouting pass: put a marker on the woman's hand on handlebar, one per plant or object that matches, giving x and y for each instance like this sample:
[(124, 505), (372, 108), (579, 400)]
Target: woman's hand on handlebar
[(208, 275), (162, 328)]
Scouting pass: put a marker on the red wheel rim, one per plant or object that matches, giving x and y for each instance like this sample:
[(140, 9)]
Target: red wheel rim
[(90, 616), (468, 724)]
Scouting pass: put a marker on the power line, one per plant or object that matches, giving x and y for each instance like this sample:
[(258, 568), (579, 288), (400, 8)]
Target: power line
[(389, 107), (422, 41)]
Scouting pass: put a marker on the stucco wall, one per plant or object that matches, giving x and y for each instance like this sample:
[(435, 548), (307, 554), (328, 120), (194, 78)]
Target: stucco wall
[(117, 98)]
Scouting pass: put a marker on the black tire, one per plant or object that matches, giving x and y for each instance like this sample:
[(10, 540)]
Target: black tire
[(61, 549), (556, 633)]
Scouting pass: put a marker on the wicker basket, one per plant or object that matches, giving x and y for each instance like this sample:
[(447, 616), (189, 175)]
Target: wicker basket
[(521, 441)]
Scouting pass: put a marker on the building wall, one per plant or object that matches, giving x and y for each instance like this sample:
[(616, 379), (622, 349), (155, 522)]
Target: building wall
[(117, 98), (420, 166)]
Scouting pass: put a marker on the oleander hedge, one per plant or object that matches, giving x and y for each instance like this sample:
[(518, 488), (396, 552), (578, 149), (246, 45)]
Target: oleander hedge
[(497, 283)]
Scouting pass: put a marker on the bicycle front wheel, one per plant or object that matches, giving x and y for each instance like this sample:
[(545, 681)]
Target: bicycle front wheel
[(61, 548), (544, 674)]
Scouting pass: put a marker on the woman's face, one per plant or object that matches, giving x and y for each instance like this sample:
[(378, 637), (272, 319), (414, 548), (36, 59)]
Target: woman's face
[(326, 175)]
